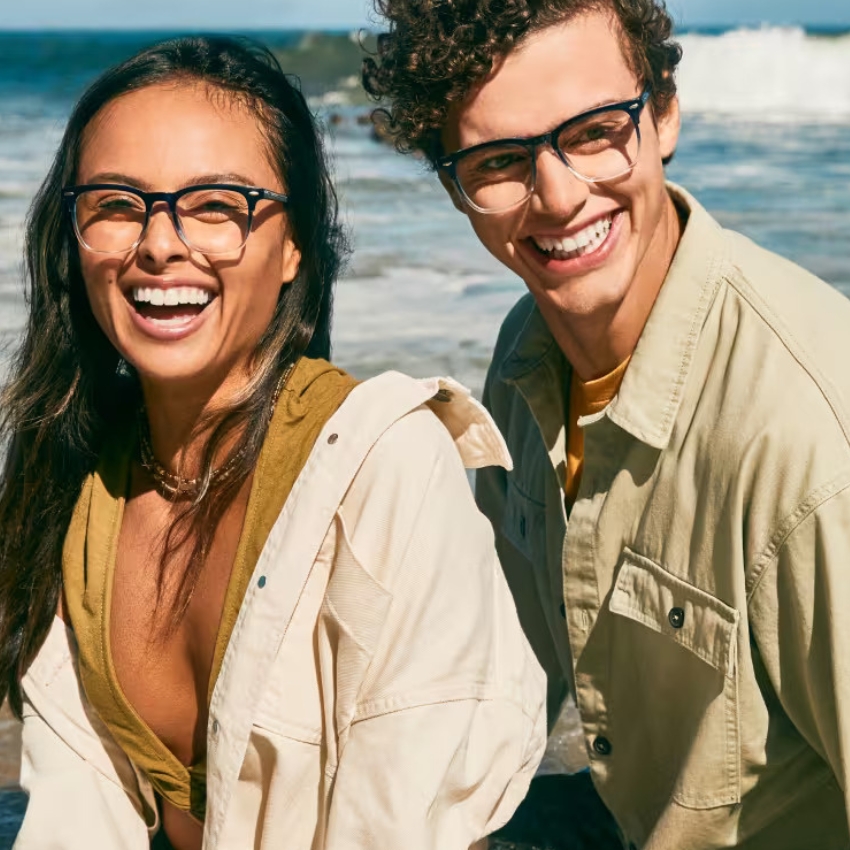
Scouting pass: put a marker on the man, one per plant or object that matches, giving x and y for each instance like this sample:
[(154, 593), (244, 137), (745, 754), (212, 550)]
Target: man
[(676, 530)]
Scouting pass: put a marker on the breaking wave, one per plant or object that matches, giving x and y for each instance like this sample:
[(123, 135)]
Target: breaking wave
[(772, 73)]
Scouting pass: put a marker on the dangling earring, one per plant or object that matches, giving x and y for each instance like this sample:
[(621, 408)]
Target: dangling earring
[(122, 368)]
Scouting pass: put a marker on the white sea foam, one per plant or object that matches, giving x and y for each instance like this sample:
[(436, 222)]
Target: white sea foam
[(771, 73)]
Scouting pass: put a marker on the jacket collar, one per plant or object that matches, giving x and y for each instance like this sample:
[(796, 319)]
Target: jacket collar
[(652, 388)]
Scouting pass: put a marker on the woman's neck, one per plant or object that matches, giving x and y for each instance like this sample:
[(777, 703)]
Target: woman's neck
[(174, 414)]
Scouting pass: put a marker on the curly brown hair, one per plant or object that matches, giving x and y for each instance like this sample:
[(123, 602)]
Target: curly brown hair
[(436, 51)]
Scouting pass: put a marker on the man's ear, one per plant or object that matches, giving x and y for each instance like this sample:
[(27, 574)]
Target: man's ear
[(454, 192), (668, 130)]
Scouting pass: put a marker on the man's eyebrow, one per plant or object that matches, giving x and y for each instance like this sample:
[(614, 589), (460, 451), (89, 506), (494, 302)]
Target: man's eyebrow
[(199, 180)]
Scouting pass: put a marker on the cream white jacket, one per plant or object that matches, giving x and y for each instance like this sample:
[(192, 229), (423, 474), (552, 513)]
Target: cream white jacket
[(377, 691)]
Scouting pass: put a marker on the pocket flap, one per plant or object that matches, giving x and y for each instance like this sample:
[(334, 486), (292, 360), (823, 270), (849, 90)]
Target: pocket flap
[(648, 594)]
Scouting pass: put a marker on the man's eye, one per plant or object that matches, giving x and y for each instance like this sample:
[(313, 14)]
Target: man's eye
[(598, 134), (594, 134), (500, 161)]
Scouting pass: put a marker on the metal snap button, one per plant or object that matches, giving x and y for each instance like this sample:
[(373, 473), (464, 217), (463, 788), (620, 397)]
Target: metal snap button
[(676, 617), (215, 727), (602, 746), (333, 438)]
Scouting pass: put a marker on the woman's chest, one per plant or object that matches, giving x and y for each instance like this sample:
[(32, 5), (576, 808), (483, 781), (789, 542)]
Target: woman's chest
[(163, 662)]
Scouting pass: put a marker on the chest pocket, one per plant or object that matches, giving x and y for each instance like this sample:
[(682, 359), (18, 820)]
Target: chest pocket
[(674, 650)]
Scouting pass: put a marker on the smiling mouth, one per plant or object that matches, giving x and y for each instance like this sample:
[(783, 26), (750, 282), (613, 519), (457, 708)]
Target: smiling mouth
[(579, 244), (171, 308)]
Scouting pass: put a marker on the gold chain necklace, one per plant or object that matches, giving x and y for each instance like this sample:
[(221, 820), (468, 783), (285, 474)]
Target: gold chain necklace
[(173, 485)]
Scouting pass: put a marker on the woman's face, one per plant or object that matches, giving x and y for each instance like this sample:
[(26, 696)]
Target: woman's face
[(162, 139)]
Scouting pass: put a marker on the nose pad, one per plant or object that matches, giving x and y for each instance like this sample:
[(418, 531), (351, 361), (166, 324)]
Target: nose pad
[(161, 242), (557, 189)]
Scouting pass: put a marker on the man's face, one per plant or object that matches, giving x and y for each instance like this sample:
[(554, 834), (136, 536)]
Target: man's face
[(556, 240)]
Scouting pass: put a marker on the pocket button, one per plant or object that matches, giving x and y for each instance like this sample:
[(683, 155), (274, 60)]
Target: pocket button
[(676, 617), (602, 746)]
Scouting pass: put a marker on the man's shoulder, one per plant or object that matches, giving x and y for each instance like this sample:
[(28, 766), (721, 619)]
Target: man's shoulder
[(499, 390), (512, 327), (802, 314), (789, 291)]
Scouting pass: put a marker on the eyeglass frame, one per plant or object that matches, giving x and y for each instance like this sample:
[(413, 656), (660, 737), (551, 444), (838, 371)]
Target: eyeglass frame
[(252, 195), (633, 108)]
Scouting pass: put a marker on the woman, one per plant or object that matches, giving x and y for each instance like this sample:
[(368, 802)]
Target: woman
[(243, 597)]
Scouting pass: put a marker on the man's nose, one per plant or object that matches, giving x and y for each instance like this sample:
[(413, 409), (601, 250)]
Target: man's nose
[(161, 243), (557, 190)]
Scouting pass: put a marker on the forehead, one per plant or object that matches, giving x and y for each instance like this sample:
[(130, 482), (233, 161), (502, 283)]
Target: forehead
[(165, 135), (551, 75)]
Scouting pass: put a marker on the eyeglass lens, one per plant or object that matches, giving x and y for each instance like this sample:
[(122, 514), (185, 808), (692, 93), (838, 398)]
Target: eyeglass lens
[(213, 221), (600, 147)]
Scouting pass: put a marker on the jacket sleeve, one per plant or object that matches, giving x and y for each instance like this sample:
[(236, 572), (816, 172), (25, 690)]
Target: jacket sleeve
[(83, 792), (799, 614), (446, 730)]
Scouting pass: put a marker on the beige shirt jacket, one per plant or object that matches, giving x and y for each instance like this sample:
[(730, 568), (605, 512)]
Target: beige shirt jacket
[(696, 602), (377, 691)]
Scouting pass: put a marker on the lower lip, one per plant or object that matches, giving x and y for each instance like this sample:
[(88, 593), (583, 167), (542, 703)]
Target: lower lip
[(164, 333), (584, 263)]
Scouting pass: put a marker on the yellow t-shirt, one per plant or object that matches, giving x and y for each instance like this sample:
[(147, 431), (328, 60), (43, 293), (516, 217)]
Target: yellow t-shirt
[(313, 392), (586, 397)]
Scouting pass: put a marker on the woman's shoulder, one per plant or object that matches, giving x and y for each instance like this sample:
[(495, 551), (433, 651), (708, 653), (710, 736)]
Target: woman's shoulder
[(416, 421)]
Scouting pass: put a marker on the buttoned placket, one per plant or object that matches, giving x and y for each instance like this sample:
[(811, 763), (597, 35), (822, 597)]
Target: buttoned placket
[(585, 590)]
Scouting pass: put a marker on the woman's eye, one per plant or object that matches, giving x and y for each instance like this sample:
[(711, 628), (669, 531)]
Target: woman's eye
[(226, 204), (119, 202)]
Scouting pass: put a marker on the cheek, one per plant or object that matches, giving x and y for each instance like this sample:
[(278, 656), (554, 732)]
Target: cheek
[(494, 234), (98, 277)]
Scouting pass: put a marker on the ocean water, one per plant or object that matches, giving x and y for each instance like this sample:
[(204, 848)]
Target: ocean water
[(765, 146)]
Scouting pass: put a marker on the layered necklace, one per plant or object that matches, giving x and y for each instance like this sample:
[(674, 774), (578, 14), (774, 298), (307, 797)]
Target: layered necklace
[(174, 486)]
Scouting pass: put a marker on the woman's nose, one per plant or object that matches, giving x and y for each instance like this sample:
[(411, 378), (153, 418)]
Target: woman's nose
[(161, 243)]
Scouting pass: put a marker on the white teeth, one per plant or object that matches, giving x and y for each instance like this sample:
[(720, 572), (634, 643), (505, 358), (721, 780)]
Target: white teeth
[(583, 242), (173, 296)]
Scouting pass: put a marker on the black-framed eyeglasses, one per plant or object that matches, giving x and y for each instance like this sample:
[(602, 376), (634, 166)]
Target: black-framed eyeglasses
[(213, 218), (598, 145)]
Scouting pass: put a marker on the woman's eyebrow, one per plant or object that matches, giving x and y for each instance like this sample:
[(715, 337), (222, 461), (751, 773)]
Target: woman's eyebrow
[(201, 179)]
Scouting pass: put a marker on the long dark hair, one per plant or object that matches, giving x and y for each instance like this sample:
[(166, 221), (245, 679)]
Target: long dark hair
[(66, 393)]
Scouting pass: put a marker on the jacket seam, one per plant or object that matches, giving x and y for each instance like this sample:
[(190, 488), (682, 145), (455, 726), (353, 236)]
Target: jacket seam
[(815, 500), (374, 709), (402, 560), (789, 342)]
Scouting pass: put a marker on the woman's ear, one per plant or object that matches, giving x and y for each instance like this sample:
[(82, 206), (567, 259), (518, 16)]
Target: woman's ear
[(290, 261)]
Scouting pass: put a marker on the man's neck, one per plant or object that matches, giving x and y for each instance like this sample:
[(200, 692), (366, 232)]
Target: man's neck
[(596, 343)]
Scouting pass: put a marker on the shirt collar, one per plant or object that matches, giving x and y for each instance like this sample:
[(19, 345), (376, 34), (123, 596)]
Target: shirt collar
[(653, 385), (536, 366), (651, 391)]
